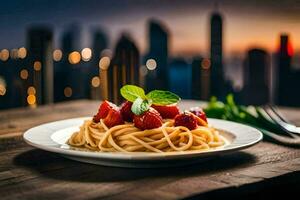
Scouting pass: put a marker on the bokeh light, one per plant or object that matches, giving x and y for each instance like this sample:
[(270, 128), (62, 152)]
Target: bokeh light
[(151, 64), (31, 90), (86, 54), (104, 63), (2, 86), (24, 74), (37, 65), (205, 64), (4, 54), (68, 91), (57, 55), (95, 82), (74, 57), (22, 52), (31, 99)]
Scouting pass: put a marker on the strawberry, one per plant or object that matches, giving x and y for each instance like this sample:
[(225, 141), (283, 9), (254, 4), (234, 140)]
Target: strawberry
[(103, 110), (168, 111), (199, 112), (110, 114), (126, 112), (148, 120), (186, 119), (113, 118)]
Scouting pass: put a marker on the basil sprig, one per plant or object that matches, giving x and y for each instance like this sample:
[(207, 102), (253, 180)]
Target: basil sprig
[(142, 102)]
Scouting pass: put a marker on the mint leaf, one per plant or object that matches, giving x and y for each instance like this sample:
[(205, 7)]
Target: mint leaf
[(140, 105), (161, 97), (132, 92)]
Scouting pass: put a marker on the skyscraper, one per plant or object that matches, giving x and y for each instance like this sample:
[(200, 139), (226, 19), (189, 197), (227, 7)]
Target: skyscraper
[(99, 43), (216, 54), (71, 73), (124, 67), (288, 77), (40, 48), (284, 75), (256, 77), (158, 35), (196, 78), (180, 77)]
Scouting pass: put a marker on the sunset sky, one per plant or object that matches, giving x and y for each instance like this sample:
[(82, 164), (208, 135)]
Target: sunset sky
[(246, 23)]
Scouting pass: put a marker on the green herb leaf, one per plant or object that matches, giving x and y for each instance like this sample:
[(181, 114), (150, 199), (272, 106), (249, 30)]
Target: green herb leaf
[(139, 106), (161, 97), (132, 92)]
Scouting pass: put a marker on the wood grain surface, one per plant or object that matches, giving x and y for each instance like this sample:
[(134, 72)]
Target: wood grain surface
[(28, 173)]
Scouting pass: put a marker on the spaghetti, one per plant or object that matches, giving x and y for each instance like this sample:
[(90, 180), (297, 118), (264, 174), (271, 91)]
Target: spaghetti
[(128, 138)]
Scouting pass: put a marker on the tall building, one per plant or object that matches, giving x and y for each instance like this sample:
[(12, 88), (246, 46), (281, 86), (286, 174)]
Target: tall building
[(196, 78), (288, 78), (99, 45), (40, 47), (180, 77), (201, 78), (158, 52), (284, 76), (256, 77), (124, 67), (71, 74), (216, 55)]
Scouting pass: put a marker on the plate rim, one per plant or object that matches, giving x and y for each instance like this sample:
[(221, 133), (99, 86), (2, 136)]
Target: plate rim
[(56, 148)]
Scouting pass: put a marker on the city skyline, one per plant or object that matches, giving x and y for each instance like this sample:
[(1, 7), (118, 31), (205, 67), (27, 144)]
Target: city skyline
[(188, 21), (98, 70)]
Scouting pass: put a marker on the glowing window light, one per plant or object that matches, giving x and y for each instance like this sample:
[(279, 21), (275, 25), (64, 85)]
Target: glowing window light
[(2, 89), (104, 63), (205, 64), (14, 53), (31, 90), (86, 54), (22, 52), (24, 74), (2, 86), (31, 99), (4, 54), (68, 92), (95, 82), (37, 65), (151, 64), (57, 55), (74, 57)]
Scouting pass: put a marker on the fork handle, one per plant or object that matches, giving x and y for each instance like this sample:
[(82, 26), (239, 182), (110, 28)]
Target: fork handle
[(282, 139)]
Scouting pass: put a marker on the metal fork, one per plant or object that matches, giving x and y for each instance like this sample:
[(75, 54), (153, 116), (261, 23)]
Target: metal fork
[(289, 128), (280, 121)]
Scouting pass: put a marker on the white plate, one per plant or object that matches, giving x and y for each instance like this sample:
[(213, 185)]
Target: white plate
[(53, 136)]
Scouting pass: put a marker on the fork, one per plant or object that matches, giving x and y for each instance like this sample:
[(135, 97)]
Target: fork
[(280, 121), (287, 127)]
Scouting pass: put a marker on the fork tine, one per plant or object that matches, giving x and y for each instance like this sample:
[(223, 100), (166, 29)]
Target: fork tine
[(289, 128), (271, 114), (276, 113)]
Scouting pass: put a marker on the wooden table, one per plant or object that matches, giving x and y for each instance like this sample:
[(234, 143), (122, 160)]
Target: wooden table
[(29, 173)]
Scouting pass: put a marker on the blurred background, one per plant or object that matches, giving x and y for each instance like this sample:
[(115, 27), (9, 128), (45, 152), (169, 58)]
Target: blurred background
[(53, 51)]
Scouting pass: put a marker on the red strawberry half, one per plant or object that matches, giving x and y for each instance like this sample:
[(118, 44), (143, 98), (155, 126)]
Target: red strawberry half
[(126, 112), (168, 111), (110, 114), (148, 120), (199, 113), (186, 119)]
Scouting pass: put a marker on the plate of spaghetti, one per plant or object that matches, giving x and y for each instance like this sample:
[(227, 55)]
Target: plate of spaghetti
[(146, 130)]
